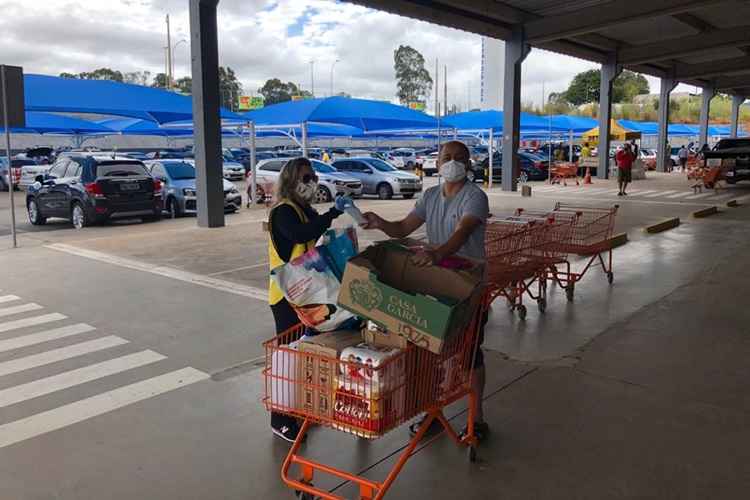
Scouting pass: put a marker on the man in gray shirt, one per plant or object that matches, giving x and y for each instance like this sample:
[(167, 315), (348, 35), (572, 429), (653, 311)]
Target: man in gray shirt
[(455, 214)]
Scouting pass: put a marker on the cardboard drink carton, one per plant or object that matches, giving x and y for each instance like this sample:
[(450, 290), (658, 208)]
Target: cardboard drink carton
[(426, 305), (319, 365)]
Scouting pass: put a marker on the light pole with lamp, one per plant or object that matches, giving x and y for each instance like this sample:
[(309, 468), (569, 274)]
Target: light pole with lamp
[(312, 77), (171, 60), (332, 67)]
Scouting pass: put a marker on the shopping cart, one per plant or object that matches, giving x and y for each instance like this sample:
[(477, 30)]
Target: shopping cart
[(560, 172), (520, 249), (591, 237), (369, 401)]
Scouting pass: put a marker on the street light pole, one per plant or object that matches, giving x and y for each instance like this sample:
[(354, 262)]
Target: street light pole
[(312, 77), (333, 66), (171, 69), (169, 56)]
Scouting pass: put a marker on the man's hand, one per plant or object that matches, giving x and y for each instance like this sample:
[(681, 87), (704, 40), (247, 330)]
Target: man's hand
[(372, 221), (425, 257)]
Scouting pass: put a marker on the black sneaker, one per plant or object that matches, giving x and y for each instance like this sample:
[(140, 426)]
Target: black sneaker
[(481, 430), (435, 427), (287, 428)]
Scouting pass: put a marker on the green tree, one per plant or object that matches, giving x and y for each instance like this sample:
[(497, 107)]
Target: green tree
[(137, 77), (97, 74), (585, 87), (230, 89), (413, 81), (68, 75), (160, 81), (275, 91), (184, 85)]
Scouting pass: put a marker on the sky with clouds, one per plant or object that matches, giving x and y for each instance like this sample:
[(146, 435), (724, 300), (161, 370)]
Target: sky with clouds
[(261, 39)]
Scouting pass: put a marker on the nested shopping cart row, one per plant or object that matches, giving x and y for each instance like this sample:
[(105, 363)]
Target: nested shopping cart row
[(528, 249)]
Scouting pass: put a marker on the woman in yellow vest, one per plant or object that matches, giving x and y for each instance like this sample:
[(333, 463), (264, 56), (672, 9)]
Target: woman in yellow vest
[(294, 227)]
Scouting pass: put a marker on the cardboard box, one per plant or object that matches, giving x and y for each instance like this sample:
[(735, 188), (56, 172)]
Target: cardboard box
[(319, 365), (424, 304), (381, 337)]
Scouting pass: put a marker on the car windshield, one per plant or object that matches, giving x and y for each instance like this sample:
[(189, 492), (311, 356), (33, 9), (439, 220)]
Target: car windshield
[(322, 168), (120, 170), (180, 171), (380, 165)]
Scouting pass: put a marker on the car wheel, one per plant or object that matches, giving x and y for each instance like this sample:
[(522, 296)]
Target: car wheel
[(323, 195), (385, 192), (35, 217), (78, 216), (173, 208)]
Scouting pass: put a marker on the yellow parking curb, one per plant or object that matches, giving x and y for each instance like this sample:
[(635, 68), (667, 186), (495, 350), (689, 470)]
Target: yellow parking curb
[(663, 225), (733, 203), (699, 214), (618, 240)]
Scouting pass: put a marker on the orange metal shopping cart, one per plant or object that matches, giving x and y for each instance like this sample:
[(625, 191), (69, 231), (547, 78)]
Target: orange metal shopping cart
[(591, 237), (369, 401), (560, 172), (519, 249)]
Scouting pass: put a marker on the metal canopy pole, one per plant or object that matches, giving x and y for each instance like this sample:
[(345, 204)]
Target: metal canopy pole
[(516, 51), (207, 121), (6, 127), (610, 70), (667, 86), (304, 139), (253, 163), (491, 152), (736, 103), (706, 96)]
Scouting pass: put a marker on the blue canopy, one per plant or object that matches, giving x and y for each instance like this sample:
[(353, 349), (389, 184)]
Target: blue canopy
[(135, 126), (69, 95), (313, 130), (363, 114), (492, 119), (47, 123), (578, 124)]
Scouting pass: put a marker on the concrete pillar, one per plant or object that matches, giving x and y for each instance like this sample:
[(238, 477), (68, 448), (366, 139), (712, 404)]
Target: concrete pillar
[(516, 51), (207, 122), (667, 86), (610, 70), (736, 103), (706, 96)]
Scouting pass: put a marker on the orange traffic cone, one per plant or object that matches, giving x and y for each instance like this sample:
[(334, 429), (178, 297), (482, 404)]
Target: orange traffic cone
[(587, 177)]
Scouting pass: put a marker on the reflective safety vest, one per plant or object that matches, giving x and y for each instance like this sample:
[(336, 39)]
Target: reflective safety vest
[(274, 292)]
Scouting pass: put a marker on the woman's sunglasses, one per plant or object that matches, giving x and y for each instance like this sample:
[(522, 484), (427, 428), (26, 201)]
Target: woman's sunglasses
[(308, 178)]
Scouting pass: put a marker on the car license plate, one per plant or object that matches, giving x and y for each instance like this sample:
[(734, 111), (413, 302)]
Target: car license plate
[(131, 186)]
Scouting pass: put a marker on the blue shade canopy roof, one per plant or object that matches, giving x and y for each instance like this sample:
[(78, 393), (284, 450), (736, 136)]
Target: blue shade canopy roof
[(313, 130), (363, 114), (68, 95), (47, 123), (136, 126), (491, 119), (578, 124)]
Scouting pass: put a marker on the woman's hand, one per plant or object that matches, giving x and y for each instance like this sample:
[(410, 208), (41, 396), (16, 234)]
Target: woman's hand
[(372, 221)]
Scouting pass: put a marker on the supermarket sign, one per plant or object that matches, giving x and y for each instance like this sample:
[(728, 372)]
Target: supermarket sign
[(246, 102), (418, 105)]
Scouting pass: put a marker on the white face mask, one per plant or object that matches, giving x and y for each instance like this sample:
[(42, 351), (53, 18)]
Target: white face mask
[(453, 171), (307, 191)]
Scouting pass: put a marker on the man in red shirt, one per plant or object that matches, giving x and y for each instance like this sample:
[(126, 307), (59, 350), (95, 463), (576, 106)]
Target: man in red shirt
[(624, 158)]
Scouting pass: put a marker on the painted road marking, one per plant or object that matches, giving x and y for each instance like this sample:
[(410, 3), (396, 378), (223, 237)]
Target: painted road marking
[(63, 416), (7, 311), (680, 195), (55, 355), (243, 268), (45, 336), (168, 272), (65, 380), (699, 196), (659, 193), (642, 193), (33, 321), (8, 298)]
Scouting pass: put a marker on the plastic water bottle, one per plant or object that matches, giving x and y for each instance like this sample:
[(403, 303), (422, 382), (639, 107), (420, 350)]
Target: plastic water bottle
[(354, 212)]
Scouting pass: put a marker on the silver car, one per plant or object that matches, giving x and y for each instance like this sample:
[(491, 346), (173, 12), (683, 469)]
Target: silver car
[(178, 178), (380, 177)]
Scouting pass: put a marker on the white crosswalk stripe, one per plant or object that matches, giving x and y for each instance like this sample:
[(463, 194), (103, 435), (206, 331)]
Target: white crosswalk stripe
[(45, 336), (659, 193), (60, 354), (79, 376), (84, 409), (33, 321), (699, 196), (7, 311), (643, 193), (73, 412), (679, 195)]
